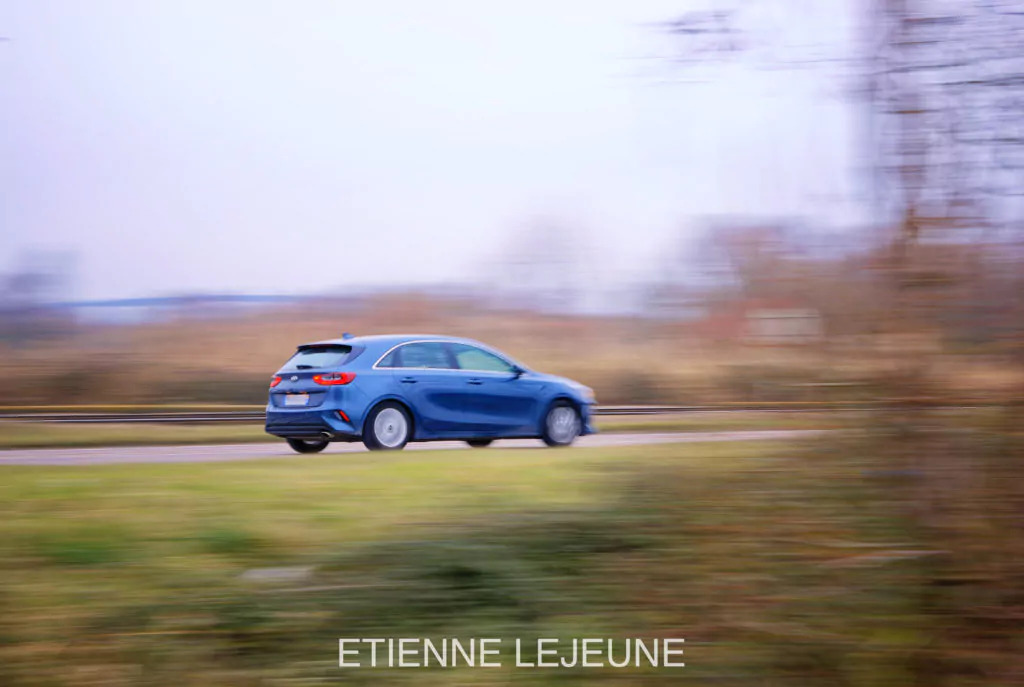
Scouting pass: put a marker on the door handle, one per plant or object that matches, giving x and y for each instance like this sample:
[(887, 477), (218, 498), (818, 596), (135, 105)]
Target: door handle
[(475, 382), (408, 380)]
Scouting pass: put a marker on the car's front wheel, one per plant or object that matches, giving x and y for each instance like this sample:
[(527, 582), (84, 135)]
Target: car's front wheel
[(387, 428), (304, 446), (562, 424)]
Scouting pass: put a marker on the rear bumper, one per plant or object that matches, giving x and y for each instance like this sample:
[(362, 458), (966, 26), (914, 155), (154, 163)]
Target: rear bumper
[(309, 424)]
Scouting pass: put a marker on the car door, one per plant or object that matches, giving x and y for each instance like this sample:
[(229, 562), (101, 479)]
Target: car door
[(495, 398), (426, 376)]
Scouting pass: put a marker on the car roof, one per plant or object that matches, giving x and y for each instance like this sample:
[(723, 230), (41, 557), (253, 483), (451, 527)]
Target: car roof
[(388, 340)]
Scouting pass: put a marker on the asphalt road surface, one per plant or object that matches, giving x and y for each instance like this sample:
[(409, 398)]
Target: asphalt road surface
[(232, 452)]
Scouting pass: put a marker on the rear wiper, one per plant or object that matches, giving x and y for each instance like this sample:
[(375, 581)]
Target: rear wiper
[(303, 367)]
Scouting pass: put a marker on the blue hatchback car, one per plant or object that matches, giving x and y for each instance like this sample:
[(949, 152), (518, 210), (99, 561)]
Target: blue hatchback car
[(390, 390)]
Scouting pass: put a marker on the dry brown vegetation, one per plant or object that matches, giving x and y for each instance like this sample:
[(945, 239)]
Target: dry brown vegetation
[(189, 358)]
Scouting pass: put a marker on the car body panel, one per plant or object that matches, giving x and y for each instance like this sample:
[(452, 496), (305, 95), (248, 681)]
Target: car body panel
[(444, 403)]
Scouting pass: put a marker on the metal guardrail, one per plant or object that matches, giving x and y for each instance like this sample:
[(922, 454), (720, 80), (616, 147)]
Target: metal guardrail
[(200, 415), (181, 417)]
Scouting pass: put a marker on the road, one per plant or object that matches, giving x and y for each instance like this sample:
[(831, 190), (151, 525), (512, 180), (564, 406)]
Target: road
[(235, 452)]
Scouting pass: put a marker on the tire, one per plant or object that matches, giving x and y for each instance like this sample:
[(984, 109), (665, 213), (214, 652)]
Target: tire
[(479, 443), (562, 424), (303, 446), (388, 427)]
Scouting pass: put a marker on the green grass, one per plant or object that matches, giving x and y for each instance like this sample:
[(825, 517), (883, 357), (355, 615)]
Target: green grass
[(47, 435), (723, 421), (44, 435), (247, 573)]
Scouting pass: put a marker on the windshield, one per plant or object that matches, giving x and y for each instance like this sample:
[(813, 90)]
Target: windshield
[(317, 357)]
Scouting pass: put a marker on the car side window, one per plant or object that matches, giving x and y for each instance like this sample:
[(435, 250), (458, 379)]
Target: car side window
[(472, 358), (390, 360), (430, 354)]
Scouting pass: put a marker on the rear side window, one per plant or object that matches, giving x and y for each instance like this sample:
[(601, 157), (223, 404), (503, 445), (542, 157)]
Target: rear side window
[(318, 357), (472, 358), (390, 360), (429, 354)]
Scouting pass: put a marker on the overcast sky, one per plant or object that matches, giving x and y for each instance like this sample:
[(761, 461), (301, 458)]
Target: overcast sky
[(291, 147)]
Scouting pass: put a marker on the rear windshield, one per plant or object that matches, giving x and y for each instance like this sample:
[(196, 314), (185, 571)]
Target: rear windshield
[(317, 357)]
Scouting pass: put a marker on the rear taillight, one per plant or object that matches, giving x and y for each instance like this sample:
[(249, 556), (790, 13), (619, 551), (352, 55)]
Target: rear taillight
[(334, 378), (274, 382)]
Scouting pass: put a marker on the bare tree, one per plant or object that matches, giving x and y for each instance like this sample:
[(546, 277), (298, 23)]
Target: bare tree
[(942, 88)]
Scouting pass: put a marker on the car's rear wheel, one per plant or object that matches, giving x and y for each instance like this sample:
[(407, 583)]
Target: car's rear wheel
[(387, 428), (479, 443), (305, 446), (562, 424)]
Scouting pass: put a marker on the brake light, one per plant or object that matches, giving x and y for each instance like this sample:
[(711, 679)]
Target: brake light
[(274, 382), (334, 378)]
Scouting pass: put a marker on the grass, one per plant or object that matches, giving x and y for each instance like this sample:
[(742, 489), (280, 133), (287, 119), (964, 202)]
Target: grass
[(47, 435), (724, 421), (44, 435), (770, 561)]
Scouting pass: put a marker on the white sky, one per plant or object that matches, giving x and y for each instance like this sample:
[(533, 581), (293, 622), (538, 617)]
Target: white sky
[(282, 147)]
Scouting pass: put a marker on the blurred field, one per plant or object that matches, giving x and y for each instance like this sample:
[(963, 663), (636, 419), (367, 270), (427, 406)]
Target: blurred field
[(42, 435), (781, 564), (189, 359), (115, 575)]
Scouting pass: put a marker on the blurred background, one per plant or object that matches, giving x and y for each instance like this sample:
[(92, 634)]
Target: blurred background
[(776, 204)]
